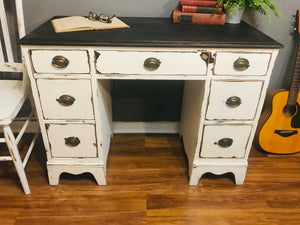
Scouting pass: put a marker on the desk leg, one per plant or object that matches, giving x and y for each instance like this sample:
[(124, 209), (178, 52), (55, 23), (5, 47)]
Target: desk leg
[(239, 172), (54, 172)]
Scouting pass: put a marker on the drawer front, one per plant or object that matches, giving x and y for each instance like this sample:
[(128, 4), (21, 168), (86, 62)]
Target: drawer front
[(45, 61), (233, 100), (225, 141), (126, 62), (72, 140), (250, 64), (66, 99)]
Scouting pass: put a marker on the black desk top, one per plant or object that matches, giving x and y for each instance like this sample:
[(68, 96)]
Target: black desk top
[(156, 32)]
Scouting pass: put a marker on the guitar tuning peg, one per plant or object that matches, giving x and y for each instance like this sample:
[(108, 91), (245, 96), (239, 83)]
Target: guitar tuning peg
[(292, 30), (293, 24)]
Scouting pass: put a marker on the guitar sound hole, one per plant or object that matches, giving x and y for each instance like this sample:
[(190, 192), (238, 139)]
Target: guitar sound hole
[(290, 110)]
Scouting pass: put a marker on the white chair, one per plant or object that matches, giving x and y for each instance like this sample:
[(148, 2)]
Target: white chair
[(13, 93)]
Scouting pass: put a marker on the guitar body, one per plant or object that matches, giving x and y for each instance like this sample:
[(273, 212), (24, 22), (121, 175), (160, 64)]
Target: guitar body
[(279, 125), (279, 133)]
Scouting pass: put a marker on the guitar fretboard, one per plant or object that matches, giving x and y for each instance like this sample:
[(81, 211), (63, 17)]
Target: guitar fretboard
[(294, 89)]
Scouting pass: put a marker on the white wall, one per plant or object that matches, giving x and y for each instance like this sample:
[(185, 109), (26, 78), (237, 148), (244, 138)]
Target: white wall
[(38, 11)]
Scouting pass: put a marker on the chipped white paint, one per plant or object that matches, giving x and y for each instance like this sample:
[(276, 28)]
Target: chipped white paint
[(238, 134), (51, 91), (13, 94), (84, 133), (221, 92), (258, 63), (205, 117), (77, 61), (132, 62)]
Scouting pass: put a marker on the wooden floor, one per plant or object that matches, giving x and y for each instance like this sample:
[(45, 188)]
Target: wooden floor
[(147, 183)]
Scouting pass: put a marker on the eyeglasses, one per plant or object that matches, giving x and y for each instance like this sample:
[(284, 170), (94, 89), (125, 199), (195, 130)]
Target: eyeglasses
[(103, 18)]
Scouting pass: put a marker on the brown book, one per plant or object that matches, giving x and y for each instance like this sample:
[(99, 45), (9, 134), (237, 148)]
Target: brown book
[(199, 2), (80, 23), (197, 18), (200, 9)]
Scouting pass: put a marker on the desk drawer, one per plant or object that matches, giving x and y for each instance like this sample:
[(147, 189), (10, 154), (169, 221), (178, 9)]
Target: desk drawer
[(66, 99), (72, 140), (233, 100), (46, 61), (225, 141), (250, 64), (131, 62)]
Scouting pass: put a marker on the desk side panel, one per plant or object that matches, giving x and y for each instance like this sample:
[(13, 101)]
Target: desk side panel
[(192, 116), (105, 112)]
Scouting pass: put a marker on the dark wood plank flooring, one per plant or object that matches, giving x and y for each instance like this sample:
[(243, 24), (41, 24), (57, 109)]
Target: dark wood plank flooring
[(147, 183)]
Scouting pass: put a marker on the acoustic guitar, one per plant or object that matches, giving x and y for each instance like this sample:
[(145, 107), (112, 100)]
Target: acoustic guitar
[(280, 122)]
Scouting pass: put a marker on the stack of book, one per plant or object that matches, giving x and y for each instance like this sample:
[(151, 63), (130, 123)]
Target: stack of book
[(198, 12)]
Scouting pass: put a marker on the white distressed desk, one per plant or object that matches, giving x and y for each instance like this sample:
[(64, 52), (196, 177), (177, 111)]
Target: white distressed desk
[(226, 70)]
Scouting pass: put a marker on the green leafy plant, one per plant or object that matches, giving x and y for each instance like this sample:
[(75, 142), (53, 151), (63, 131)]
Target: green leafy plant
[(263, 6)]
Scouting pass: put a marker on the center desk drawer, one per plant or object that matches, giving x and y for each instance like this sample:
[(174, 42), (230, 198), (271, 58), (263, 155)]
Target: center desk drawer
[(72, 140), (66, 99), (50, 61), (139, 62)]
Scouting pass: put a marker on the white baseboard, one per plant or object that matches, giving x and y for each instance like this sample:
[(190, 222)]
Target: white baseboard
[(162, 127), (146, 127)]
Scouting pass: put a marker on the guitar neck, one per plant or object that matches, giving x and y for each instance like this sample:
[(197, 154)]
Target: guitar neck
[(294, 88)]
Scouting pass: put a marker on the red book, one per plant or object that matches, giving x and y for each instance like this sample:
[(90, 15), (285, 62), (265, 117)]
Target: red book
[(199, 2), (200, 9), (197, 18)]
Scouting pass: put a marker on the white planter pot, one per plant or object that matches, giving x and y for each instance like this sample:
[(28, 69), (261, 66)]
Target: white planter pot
[(234, 15)]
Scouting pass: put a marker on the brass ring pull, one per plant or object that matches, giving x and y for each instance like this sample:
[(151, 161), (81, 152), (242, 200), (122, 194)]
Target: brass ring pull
[(233, 101), (151, 64), (225, 142), (241, 64), (60, 62), (66, 100), (72, 141)]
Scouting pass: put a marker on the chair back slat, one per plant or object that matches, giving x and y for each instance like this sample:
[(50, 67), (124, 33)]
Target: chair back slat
[(1, 54), (7, 59), (20, 18), (5, 33)]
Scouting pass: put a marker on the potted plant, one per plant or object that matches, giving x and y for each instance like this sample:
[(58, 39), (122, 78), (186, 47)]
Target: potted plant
[(234, 9)]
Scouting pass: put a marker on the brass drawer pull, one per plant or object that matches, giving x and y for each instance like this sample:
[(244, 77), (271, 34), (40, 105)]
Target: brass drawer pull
[(233, 101), (241, 64), (66, 100), (60, 62), (72, 141), (225, 142), (151, 64)]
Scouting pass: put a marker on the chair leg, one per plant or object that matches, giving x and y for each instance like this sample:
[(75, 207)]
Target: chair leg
[(14, 152)]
